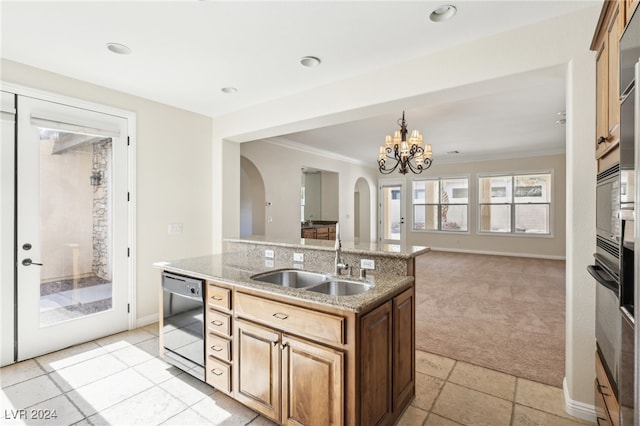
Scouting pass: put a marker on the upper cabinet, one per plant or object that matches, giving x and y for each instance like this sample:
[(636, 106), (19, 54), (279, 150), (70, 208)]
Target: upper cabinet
[(629, 7), (606, 45), (615, 15)]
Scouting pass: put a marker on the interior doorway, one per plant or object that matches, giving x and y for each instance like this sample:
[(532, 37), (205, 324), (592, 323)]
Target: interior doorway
[(362, 211), (252, 199)]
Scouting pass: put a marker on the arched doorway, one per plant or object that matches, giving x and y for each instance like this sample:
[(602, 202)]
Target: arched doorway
[(252, 199), (362, 211)]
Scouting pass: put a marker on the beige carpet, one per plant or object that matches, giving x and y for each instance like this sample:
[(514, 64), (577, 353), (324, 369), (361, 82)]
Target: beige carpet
[(503, 313)]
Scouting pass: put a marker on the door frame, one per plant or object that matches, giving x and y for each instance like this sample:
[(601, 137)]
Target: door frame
[(130, 116), (403, 209)]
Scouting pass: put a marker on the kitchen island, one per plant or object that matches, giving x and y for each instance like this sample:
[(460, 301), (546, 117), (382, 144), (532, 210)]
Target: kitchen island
[(299, 356)]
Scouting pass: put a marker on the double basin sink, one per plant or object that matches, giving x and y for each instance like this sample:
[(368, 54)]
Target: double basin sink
[(313, 281)]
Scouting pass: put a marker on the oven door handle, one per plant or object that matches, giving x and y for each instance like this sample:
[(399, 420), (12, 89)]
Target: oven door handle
[(603, 278)]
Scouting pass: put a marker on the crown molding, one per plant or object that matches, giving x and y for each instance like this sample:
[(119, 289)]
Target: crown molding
[(287, 143)]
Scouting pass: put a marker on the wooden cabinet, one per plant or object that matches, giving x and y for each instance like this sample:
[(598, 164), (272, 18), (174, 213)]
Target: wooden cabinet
[(387, 375), (288, 379), (317, 232), (404, 359), (606, 45), (607, 407), (308, 233), (218, 338), (376, 342), (629, 7), (313, 383), (259, 361), (299, 362)]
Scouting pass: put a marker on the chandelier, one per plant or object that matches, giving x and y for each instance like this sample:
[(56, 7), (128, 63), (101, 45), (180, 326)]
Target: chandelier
[(407, 155)]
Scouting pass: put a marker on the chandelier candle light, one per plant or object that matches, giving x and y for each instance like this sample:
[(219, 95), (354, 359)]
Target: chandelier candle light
[(408, 155)]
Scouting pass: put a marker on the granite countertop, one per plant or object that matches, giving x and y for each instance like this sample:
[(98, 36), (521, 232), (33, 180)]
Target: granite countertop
[(237, 270), (364, 249)]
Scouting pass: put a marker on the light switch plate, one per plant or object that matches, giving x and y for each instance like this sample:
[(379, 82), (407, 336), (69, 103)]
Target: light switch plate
[(298, 257), (174, 228), (269, 254), (269, 263), (367, 264)]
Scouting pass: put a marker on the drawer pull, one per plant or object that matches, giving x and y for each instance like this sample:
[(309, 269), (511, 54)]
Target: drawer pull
[(216, 297), (216, 348), (217, 323), (281, 316), (217, 372)]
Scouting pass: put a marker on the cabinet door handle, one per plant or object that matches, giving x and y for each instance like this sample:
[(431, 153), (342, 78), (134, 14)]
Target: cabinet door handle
[(281, 316), (601, 140), (216, 348), (217, 323), (217, 371), (216, 297), (602, 388), (284, 346)]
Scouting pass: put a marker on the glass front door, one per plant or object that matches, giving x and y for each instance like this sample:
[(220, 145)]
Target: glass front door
[(391, 211), (72, 226)]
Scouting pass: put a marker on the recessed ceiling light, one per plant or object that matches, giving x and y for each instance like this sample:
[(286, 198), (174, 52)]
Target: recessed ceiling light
[(118, 48), (310, 61), (443, 13), (229, 90)]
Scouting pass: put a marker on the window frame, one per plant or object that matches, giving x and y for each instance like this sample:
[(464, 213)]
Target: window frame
[(439, 179), (512, 233)]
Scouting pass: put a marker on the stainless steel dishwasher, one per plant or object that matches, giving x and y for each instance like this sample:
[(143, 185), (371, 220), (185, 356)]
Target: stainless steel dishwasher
[(183, 323)]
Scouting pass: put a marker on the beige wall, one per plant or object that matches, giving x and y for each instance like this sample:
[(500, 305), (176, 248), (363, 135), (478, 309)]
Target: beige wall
[(280, 168), (173, 174), (537, 246)]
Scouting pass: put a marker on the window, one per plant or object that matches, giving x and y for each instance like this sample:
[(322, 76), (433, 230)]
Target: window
[(516, 204), (441, 204)]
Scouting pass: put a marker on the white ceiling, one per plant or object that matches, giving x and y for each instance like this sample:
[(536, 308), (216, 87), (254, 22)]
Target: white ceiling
[(185, 51)]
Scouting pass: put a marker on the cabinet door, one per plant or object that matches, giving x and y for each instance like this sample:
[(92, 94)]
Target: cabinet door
[(403, 349), (602, 97), (613, 35), (375, 366), (308, 233), (258, 366), (312, 384)]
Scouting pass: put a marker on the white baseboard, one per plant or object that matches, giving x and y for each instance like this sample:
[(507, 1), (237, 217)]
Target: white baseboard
[(498, 253), (149, 319), (578, 409)]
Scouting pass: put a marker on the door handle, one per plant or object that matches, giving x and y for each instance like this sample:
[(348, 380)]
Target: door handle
[(28, 262)]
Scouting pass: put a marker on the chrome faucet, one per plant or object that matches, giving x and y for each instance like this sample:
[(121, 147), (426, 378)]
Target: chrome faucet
[(339, 266)]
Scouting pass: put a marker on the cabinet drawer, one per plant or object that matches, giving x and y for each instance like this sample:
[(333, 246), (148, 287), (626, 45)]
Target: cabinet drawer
[(218, 322), (294, 319), (218, 374), (219, 347), (219, 296)]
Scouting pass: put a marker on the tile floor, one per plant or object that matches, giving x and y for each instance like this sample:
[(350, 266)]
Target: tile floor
[(119, 380)]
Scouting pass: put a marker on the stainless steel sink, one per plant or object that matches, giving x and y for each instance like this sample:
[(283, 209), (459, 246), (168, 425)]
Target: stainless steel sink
[(341, 288), (291, 278)]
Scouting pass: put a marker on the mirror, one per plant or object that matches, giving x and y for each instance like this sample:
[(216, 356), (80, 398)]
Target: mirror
[(318, 196)]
